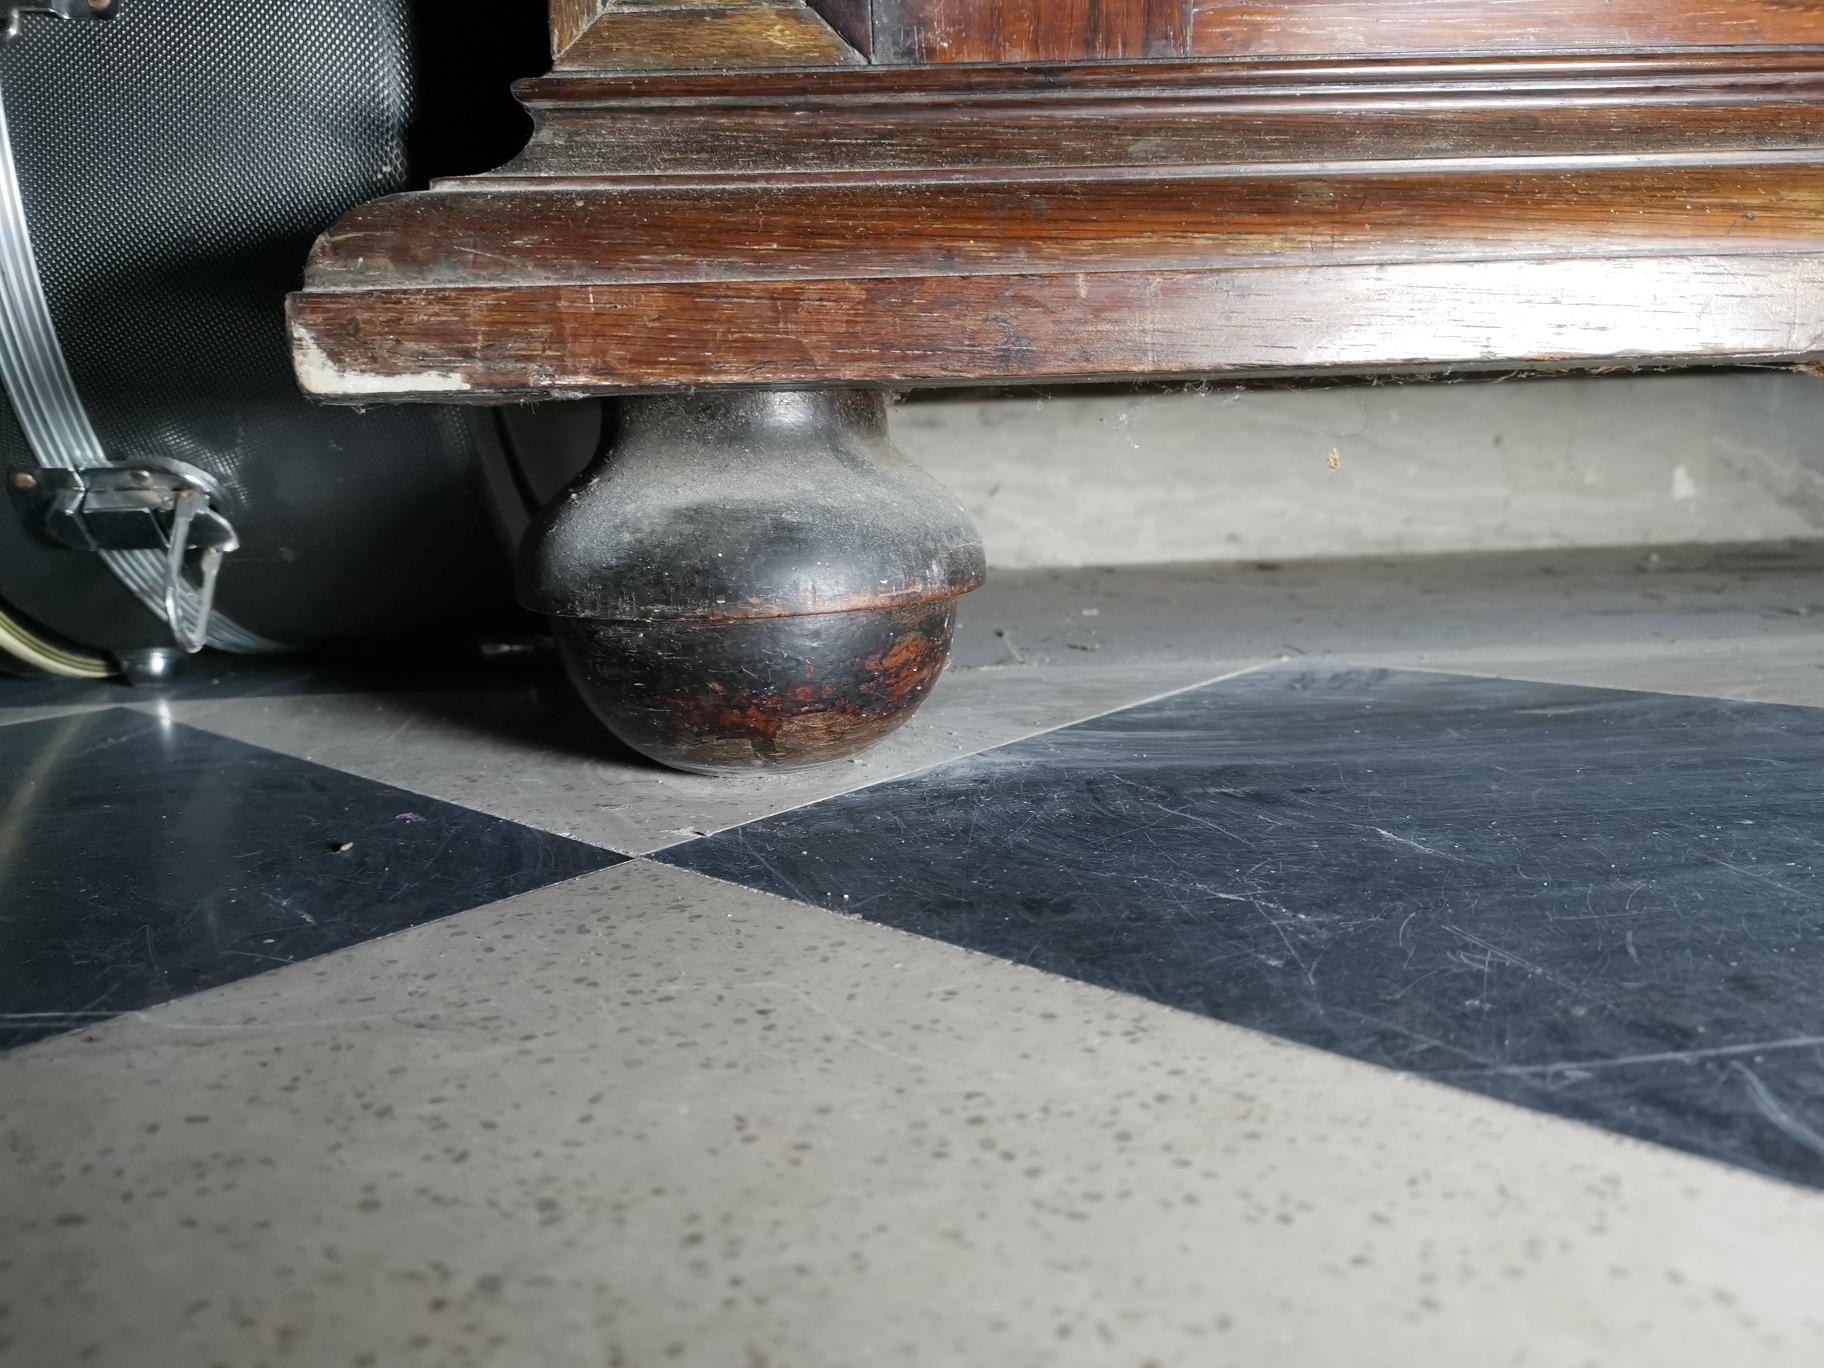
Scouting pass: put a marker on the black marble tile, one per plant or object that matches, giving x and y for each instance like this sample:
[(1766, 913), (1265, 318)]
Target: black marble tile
[(141, 860), (1601, 904)]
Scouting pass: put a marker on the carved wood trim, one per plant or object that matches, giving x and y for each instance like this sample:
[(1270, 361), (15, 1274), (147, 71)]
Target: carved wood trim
[(1121, 119), (907, 226)]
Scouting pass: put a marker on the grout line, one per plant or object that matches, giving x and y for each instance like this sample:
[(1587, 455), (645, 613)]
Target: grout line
[(658, 851), (1488, 673), (28, 712)]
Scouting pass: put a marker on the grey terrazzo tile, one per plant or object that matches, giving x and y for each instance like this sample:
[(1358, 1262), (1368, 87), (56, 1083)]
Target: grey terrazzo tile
[(533, 755), (645, 1118)]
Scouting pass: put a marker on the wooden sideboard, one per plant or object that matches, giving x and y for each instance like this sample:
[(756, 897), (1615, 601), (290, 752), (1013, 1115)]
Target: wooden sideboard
[(811, 197)]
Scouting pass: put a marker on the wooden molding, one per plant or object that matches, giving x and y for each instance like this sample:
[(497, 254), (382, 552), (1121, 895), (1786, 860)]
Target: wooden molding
[(1128, 120), (934, 226)]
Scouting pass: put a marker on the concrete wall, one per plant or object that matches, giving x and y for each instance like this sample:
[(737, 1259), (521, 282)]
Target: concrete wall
[(1094, 478)]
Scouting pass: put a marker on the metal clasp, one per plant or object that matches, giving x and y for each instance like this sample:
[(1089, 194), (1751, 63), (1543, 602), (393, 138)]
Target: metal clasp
[(140, 509), (13, 12)]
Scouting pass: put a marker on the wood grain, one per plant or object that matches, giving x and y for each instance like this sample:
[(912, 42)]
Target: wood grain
[(947, 31), (705, 141), (1444, 76), (1164, 114), (1428, 316), (909, 226), (1308, 216), (707, 34), (569, 20), (1311, 27)]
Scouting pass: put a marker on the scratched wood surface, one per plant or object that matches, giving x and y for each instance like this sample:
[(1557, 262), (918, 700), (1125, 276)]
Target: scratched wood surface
[(570, 340), (839, 223), (749, 231), (569, 20), (1168, 114), (625, 35)]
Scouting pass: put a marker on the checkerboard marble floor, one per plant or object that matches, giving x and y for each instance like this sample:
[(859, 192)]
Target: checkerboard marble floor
[(1409, 962)]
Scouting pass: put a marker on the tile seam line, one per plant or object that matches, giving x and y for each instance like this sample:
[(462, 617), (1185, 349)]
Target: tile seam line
[(60, 711), (1450, 1082), (151, 710), (658, 851), (150, 1014), (1360, 663)]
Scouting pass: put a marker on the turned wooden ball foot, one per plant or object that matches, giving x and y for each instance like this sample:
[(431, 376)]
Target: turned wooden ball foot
[(752, 579)]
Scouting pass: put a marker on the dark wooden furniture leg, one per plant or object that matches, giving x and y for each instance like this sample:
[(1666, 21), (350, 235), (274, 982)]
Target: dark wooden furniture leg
[(817, 196), (752, 578)]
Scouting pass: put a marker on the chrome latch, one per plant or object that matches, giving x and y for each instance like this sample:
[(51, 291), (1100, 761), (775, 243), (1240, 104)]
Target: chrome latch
[(143, 509), (13, 12)]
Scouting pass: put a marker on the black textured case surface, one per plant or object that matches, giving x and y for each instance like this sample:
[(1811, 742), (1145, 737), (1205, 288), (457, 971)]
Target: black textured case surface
[(176, 163)]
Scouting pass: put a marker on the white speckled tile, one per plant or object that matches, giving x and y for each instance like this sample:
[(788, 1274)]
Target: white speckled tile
[(532, 754), (646, 1118), (38, 712)]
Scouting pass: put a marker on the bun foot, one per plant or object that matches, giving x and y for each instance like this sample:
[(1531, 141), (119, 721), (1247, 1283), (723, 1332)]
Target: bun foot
[(752, 580)]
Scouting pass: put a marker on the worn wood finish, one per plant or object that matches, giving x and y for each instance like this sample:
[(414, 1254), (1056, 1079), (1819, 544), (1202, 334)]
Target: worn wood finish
[(1313, 27), (492, 342), (570, 19), (752, 578), (721, 196), (1322, 214), (919, 31), (704, 141), (930, 227), (677, 34), (1447, 77), (957, 31), (1165, 114), (766, 693), (671, 35)]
